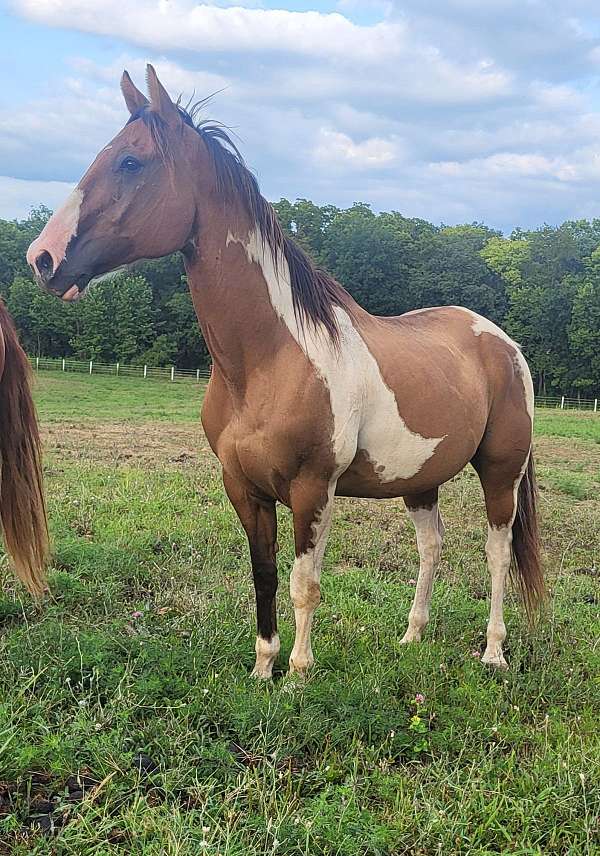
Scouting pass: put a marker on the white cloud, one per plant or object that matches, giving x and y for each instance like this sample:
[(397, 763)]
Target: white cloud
[(559, 97), (18, 197), (175, 77), (181, 25), (450, 109), (352, 59), (336, 149), (582, 165)]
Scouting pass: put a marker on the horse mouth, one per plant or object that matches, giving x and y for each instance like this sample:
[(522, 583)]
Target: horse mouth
[(80, 288), (72, 294)]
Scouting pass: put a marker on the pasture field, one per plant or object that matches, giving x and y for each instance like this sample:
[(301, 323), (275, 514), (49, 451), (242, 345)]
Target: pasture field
[(128, 719)]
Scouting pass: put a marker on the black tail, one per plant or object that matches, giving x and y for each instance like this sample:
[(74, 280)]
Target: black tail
[(526, 552)]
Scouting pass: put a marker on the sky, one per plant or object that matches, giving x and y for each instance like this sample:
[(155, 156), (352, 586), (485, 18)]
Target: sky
[(451, 110)]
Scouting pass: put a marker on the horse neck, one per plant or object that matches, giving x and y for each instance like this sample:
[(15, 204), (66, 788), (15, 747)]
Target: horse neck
[(233, 301)]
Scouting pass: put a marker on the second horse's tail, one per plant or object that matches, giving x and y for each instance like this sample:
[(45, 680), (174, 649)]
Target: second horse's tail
[(22, 505)]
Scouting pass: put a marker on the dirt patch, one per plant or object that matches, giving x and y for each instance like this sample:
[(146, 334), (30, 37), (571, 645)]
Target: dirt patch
[(151, 444), (181, 444), (553, 451)]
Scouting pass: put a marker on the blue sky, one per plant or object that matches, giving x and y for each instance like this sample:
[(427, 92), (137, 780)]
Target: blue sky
[(451, 110)]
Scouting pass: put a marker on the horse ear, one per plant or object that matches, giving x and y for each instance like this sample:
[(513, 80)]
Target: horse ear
[(134, 99), (160, 101)]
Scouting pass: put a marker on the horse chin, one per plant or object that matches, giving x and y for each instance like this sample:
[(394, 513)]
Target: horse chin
[(71, 294), (80, 289)]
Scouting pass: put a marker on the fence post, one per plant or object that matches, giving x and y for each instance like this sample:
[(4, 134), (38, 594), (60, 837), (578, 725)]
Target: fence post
[(595, 405), (562, 402), (91, 364), (145, 371), (117, 369), (63, 364), (37, 364), (198, 375), (172, 373)]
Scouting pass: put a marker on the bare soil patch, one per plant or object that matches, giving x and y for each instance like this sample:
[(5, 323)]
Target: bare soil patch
[(184, 444), (148, 444)]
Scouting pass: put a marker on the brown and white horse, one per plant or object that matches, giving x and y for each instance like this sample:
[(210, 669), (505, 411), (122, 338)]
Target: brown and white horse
[(310, 395), (22, 507)]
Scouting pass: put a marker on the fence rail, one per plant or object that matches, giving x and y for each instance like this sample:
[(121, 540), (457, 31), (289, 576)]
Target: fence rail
[(172, 373), (561, 402), (169, 373)]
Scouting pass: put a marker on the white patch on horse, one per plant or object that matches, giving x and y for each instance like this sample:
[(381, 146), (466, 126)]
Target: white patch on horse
[(430, 536), (498, 551), (305, 585), (484, 325), (365, 412), (266, 654), (58, 231)]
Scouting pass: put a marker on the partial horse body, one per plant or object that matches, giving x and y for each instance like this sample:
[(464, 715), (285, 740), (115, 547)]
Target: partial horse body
[(310, 395), (22, 506)]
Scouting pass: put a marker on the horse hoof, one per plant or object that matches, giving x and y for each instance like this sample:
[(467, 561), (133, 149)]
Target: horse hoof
[(300, 668), (496, 660), (261, 674)]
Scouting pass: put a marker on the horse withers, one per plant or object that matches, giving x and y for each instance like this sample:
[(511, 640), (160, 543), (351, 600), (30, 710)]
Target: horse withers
[(310, 395)]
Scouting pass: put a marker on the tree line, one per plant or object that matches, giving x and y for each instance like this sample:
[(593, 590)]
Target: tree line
[(542, 286)]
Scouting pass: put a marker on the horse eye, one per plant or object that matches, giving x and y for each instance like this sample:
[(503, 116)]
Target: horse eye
[(130, 164)]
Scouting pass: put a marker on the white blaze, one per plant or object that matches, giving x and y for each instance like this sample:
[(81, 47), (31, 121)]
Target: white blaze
[(364, 408), (58, 231)]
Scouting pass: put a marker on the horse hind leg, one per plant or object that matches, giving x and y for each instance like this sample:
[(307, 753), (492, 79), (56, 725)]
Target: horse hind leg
[(500, 478), (425, 515), (498, 552)]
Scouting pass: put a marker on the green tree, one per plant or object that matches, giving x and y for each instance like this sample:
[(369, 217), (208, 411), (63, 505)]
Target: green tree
[(506, 258), (162, 352), (371, 256), (452, 271), (541, 285), (584, 328), (306, 222), (182, 330), (45, 324), (114, 321)]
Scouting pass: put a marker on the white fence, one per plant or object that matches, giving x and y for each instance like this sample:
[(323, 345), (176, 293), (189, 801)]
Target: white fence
[(563, 403), (172, 373)]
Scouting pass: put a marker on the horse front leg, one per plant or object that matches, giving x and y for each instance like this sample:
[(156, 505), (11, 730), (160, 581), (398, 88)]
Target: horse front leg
[(312, 507), (259, 519)]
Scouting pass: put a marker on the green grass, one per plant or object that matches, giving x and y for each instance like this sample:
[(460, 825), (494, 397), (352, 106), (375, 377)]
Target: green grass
[(567, 423), (147, 644), (63, 397)]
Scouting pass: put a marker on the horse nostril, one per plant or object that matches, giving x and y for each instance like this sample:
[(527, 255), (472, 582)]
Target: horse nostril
[(44, 264)]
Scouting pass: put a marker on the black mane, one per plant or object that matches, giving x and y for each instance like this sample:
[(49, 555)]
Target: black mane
[(315, 293)]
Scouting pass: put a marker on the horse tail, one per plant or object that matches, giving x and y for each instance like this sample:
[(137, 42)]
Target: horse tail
[(526, 550), (22, 504)]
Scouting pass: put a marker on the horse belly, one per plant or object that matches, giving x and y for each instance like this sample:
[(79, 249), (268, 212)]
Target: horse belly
[(391, 461)]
